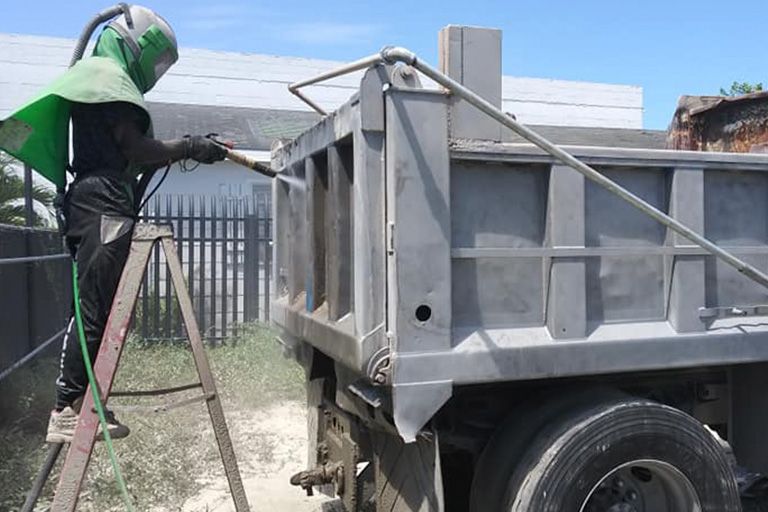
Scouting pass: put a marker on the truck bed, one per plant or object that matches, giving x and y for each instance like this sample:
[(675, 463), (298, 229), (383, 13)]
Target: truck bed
[(420, 261)]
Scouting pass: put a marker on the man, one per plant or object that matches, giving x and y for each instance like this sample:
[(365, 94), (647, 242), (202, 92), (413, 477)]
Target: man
[(114, 158)]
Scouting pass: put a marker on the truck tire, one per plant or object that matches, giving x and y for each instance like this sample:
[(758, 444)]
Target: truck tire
[(514, 436), (620, 454)]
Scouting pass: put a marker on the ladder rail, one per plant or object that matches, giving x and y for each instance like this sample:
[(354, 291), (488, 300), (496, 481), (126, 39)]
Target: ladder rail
[(215, 410), (112, 343)]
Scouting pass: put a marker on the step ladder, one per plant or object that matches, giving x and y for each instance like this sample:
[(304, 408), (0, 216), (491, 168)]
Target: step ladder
[(145, 236)]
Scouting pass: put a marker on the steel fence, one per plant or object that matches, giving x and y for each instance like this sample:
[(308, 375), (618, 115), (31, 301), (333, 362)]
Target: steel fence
[(225, 247), (35, 294), (225, 244)]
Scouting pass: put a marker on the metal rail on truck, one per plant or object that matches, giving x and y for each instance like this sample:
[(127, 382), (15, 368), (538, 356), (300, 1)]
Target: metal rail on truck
[(392, 55)]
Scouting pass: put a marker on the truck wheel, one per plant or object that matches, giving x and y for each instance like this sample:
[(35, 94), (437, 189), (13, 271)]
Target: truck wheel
[(619, 455)]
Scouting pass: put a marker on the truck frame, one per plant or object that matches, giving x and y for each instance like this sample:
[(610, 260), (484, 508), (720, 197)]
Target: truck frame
[(487, 327)]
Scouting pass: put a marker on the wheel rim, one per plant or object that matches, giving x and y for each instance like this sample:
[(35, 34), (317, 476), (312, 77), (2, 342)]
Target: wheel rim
[(643, 486)]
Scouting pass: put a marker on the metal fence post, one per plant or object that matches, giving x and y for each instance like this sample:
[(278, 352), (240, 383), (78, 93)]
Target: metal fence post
[(29, 210), (250, 269), (214, 288), (29, 221), (257, 257), (267, 259)]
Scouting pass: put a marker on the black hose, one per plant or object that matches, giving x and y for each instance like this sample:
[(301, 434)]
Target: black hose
[(149, 196), (42, 477), (85, 36)]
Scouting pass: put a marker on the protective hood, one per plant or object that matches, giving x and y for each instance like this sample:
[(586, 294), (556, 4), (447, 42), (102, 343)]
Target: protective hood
[(38, 132), (112, 46), (143, 42)]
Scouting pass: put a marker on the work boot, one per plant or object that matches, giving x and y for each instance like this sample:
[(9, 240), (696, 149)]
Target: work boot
[(61, 426), (116, 429)]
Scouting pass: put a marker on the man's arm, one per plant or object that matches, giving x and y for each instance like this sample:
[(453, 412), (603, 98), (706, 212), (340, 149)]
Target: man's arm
[(142, 150)]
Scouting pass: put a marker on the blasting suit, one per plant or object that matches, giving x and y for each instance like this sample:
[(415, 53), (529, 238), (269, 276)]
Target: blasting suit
[(115, 155)]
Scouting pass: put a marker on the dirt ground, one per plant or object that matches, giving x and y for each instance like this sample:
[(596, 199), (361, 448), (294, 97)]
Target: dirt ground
[(271, 445), (170, 460)]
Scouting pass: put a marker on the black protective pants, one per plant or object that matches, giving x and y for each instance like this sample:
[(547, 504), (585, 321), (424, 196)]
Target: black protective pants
[(100, 216)]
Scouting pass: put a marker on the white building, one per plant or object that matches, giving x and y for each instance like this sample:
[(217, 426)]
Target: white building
[(244, 98)]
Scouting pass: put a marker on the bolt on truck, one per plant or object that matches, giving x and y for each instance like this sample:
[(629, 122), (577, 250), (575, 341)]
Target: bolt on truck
[(489, 322)]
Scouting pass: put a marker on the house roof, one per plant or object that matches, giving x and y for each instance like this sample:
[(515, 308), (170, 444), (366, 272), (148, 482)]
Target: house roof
[(607, 137), (256, 128), (248, 128)]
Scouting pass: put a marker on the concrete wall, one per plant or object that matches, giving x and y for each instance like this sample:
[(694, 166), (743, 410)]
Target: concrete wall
[(204, 77), (568, 103)]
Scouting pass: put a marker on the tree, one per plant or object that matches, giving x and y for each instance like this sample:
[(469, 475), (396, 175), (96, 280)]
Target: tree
[(741, 88), (12, 198)]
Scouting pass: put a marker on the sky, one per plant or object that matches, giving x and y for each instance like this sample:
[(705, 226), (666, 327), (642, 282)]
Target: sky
[(670, 48)]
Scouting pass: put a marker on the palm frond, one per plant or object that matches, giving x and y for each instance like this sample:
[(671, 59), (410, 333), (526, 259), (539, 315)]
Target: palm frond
[(12, 209), (13, 215)]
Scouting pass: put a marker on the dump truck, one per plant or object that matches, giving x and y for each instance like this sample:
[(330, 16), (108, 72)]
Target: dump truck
[(492, 322)]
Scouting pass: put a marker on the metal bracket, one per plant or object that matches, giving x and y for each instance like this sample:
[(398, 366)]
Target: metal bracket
[(405, 77), (372, 395)]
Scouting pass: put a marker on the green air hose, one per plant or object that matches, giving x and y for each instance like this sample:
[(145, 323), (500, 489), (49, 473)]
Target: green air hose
[(95, 390)]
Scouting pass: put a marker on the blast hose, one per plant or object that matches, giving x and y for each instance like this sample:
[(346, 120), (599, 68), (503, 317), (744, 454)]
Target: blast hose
[(105, 15)]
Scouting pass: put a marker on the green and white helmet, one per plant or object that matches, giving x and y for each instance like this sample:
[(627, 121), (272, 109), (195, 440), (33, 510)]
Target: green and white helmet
[(144, 43)]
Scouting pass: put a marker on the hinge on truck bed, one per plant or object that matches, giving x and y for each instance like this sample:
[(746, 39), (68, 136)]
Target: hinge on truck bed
[(732, 311), (380, 366), (390, 238)]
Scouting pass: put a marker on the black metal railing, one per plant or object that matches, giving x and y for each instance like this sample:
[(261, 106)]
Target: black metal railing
[(226, 251), (225, 244)]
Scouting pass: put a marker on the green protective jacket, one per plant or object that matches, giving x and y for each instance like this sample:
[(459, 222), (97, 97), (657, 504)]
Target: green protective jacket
[(38, 132)]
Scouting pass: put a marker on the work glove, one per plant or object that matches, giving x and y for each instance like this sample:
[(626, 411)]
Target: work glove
[(204, 149)]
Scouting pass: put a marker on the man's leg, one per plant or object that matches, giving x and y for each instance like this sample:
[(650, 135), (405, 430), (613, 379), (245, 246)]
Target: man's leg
[(99, 267), (102, 250)]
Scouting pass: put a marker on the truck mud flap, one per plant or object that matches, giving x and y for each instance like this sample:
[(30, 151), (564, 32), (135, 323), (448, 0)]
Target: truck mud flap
[(408, 477)]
